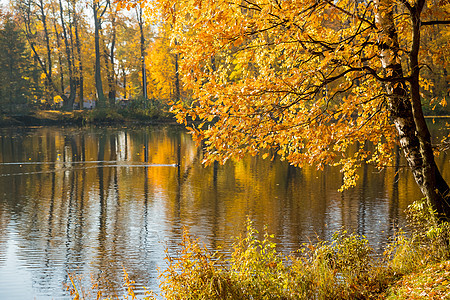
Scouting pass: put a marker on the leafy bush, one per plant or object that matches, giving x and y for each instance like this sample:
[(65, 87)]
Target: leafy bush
[(429, 241), (343, 268), (327, 270)]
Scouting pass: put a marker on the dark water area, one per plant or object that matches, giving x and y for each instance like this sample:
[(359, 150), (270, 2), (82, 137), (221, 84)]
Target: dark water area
[(92, 201)]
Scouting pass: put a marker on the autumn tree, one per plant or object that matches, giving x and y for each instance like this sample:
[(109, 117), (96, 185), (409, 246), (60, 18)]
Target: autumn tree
[(83, 47), (110, 53), (48, 29), (129, 62), (35, 23), (79, 75), (127, 50), (69, 50), (163, 74), (307, 80), (142, 44), (98, 10)]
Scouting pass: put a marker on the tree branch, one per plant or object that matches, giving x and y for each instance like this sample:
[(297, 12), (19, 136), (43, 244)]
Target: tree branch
[(331, 3), (436, 22), (407, 5)]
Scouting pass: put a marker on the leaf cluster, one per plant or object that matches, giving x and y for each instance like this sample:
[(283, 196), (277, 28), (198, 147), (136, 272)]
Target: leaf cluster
[(304, 80)]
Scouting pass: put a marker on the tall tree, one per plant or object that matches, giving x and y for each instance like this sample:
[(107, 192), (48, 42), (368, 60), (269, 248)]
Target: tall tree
[(110, 54), (43, 18), (79, 59), (41, 14), (18, 80), (98, 10), (129, 57), (139, 15), (68, 101), (60, 60), (28, 10), (305, 80), (164, 79)]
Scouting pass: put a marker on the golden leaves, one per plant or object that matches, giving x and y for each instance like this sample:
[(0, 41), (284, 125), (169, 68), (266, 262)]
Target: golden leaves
[(298, 78)]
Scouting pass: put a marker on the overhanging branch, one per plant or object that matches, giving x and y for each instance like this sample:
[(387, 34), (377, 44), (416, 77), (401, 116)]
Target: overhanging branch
[(436, 22)]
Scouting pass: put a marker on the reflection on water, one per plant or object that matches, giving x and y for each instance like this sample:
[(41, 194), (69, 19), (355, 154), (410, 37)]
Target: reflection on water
[(96, 200)]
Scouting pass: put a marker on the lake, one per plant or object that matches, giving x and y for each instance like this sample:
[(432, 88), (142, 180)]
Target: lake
[(92, 201)]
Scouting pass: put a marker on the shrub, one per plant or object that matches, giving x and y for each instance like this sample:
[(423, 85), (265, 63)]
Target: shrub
[(104, 115), (257, 271), (343, 268), (428, 243)]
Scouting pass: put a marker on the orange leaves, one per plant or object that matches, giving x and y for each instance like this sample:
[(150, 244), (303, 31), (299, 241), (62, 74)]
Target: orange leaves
[(127, 5), (430, 283), (298, 78), (426, 84)]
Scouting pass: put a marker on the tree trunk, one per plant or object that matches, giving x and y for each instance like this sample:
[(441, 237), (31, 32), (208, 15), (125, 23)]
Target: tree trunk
[(68, 102), (406, 108), (144, 72), (97, 75), (79, 77), (47, 39), (49, 64), (177, 77), (110, 60), (60, 65), (124, 76)]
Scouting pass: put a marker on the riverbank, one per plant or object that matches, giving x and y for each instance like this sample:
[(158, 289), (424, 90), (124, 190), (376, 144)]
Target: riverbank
[(84, 117), (433, 282), (96, 117), (416, 267)]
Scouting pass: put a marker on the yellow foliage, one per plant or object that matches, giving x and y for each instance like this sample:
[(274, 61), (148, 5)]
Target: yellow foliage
[(342, 268), (304, 78), (57, 99)]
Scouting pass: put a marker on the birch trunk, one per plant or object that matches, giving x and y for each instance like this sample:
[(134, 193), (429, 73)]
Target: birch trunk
[(406, 108)]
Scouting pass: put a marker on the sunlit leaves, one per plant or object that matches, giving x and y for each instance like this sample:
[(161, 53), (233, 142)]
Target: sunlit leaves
[(302, 79)]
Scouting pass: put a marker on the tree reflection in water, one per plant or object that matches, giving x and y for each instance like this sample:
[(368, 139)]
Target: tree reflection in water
[(95, 200)]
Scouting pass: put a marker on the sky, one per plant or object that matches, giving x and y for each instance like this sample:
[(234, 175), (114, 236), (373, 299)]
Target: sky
[(4, 3)]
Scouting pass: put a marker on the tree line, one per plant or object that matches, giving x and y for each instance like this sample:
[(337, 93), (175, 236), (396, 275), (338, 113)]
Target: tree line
[(63, 53)]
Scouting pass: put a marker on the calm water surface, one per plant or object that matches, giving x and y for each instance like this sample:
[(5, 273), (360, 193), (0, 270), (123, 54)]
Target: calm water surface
[(92, 201)]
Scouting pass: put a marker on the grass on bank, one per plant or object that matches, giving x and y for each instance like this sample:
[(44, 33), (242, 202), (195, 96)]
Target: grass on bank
[(135, 112), (130, 114), (415, 267)]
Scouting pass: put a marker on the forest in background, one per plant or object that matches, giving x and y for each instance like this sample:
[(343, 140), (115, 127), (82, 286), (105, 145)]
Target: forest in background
[(75, 54), (72, 54)]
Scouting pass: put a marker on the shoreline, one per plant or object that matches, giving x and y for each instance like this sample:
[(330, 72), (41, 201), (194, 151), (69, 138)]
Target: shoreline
[(80, 118), (97, 117)]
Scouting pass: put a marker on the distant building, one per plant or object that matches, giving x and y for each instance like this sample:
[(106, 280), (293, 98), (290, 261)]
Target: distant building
[(88, 104)]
